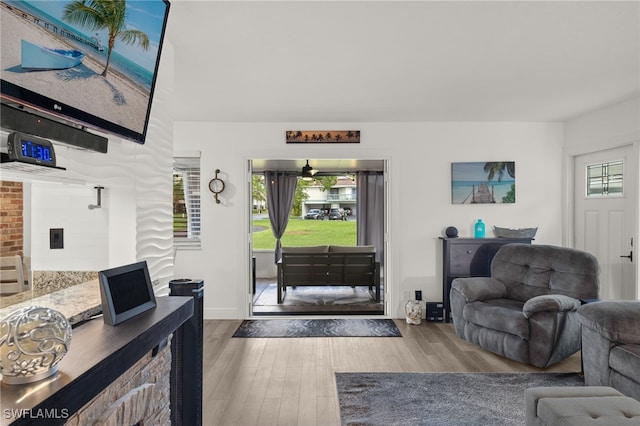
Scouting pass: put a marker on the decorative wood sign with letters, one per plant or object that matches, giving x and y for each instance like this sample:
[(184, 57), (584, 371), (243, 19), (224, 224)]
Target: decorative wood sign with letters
[(323, 136)]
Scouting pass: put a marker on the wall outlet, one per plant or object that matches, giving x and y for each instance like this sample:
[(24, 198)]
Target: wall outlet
[(418, 294), (56, 238)]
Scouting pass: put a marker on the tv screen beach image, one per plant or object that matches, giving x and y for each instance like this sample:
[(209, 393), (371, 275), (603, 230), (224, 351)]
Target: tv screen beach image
[(483, 183), (52, 48)]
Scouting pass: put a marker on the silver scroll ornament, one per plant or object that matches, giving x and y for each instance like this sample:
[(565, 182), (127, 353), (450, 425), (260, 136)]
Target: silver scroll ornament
[(33, 340)]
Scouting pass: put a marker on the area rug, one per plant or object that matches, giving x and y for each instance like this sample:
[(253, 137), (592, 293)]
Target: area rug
[(442, 399), (314, 295), (318, 328)]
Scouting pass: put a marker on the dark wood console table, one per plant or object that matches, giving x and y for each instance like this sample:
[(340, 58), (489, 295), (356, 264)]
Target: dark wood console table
[(98, 354), (468, 257)]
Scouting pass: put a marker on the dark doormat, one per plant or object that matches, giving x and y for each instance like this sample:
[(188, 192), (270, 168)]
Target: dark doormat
[(442, 399), (355, 327)]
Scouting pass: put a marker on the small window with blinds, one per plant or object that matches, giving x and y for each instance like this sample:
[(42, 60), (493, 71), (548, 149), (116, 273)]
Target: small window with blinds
[(605, 179), (186, 200)]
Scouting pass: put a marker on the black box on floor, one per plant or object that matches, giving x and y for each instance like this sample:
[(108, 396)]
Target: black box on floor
[(435, 311)]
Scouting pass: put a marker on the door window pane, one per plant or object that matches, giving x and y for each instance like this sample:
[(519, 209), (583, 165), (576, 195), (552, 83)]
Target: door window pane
[(605, 179)]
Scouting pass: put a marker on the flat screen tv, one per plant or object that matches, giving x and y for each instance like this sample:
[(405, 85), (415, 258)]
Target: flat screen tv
[(125, 291), (92, 63)]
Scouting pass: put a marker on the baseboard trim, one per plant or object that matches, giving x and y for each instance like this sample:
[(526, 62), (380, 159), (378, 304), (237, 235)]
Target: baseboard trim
[(221, 313)]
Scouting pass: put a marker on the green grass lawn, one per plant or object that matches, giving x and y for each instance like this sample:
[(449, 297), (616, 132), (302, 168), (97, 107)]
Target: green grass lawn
[(305, 233)]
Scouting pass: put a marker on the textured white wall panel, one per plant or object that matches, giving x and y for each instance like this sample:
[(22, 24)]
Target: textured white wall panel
[(154, 183)]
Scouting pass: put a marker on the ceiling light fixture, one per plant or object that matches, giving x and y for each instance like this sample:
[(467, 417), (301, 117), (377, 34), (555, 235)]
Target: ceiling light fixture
[(308, 172)]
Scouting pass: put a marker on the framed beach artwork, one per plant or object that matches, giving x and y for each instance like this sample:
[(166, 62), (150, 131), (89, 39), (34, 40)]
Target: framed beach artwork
[(322, 136), (483, 182)]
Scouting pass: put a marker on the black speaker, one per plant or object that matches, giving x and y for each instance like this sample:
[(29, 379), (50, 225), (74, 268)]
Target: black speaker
[(186, 358), (33, 124), (451, 232), (435, 311)]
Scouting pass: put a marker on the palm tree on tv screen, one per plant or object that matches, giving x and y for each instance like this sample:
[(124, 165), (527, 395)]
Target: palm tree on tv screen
[(105, 14)]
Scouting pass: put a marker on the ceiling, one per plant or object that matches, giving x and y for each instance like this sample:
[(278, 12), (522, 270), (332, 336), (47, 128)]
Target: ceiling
[(388, 61)]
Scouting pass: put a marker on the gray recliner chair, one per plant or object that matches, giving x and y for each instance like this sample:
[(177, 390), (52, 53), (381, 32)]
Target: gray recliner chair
[(526, 310), (611, 345)]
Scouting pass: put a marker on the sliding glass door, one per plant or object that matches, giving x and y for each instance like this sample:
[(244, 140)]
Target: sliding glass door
[(339, 209)]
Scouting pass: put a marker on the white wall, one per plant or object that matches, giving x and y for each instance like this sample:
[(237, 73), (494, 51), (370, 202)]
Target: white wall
[(420, 156), (610, 127), (85, 232)]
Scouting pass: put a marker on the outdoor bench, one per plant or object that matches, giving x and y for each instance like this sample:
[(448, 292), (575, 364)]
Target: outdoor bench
[(329, 266)]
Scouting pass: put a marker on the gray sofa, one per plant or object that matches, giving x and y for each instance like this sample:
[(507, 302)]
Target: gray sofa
[(611, 345), (526, 310)]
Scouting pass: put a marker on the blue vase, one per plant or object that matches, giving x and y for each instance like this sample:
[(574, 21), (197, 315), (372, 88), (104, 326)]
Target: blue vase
[(479, 229)]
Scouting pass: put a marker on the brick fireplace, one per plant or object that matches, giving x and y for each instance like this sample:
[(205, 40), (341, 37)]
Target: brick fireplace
[(11, 220)]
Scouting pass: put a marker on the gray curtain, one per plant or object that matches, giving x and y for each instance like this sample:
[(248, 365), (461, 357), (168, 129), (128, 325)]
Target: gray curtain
[(370, 211), (281, 188)]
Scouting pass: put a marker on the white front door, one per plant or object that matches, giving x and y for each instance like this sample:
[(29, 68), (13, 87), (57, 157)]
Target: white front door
[(605, 194)]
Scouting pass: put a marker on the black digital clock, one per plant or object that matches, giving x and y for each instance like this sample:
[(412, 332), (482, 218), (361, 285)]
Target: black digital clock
[(30, 149)]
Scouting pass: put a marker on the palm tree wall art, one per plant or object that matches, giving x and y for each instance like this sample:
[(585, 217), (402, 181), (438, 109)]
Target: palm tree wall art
[(483, 182)]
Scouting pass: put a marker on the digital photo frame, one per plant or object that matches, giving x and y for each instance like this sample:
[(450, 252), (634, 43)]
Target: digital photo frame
[(126, 291)]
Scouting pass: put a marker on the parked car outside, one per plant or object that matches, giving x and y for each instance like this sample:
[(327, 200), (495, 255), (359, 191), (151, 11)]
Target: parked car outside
[(337, 214), (316, 214)]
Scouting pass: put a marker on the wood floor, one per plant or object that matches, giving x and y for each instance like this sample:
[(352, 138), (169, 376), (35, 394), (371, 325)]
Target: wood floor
[(290, 381)]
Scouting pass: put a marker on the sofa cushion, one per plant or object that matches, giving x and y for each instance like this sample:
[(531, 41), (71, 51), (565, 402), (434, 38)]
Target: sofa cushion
[(312, 249), (498, 314), (352, 249), (580, 411), (625, 359), (616, 320)]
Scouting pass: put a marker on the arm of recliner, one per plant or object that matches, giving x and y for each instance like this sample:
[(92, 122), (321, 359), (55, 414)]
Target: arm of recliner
[(479, 288), (617, 320), (549, 302)]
